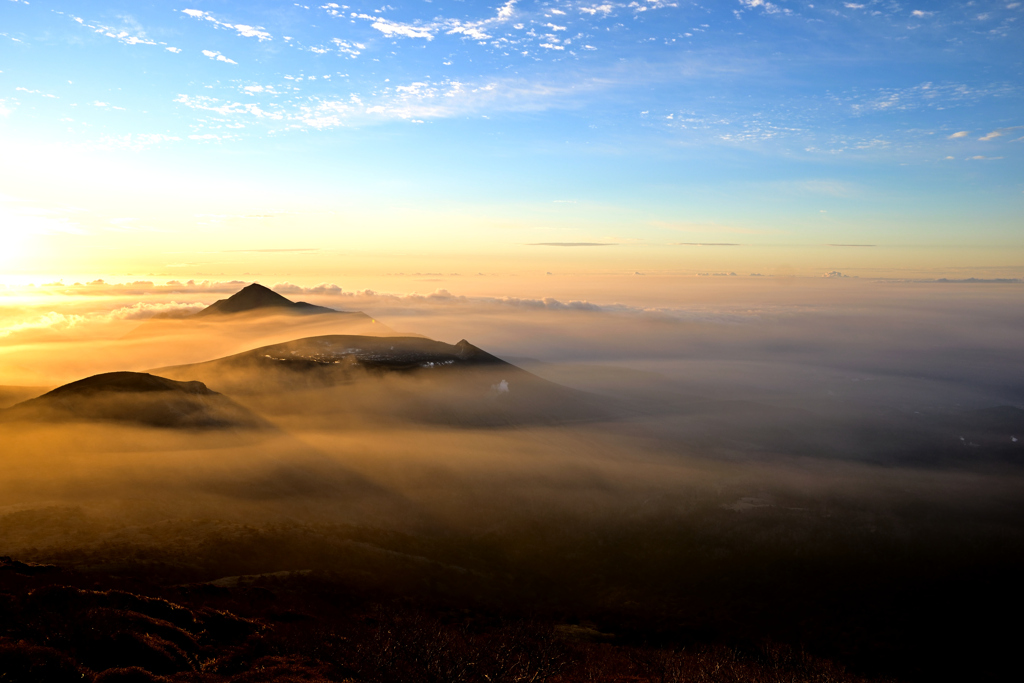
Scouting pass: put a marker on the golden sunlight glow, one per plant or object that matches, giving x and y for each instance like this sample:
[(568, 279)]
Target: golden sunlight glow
[(13, 241)]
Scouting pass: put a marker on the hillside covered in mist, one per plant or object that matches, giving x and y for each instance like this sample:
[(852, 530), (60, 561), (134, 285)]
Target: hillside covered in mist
[(799, 500)]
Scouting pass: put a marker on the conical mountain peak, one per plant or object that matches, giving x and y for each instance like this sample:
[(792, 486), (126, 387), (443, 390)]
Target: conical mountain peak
[(255, 297)]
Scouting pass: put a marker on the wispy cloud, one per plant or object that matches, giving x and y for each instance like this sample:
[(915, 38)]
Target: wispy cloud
[(998, 133), (23, 218), (243, 30), (51, 321), (130, 33), (344, 47), (209, 137), (269, 251), (931, 95), (415, 101), (763, 5), (224, 108), (35, 92), (54, 322), (393, 28), (706, 228), (477, 30), (570, 244), (218, 57), (135, 142)]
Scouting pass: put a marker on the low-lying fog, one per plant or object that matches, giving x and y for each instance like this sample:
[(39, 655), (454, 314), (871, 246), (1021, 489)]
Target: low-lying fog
[(752, 432), (797, 377)]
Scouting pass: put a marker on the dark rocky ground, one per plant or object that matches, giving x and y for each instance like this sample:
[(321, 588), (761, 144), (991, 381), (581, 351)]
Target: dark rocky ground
[(766, 594), (59, 625)]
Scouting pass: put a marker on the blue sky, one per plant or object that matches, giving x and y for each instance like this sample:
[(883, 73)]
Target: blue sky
[(746, 121)]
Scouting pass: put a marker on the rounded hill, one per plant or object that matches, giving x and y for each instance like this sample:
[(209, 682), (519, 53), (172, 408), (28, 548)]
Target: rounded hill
[(135, 397)]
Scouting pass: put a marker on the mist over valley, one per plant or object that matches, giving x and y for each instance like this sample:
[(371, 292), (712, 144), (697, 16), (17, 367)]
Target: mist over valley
[(690, 482)]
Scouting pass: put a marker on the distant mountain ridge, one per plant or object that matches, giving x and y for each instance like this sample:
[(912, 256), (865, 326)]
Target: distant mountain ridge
[(342, 353), (254, 316), (365, 379), (255, 297)]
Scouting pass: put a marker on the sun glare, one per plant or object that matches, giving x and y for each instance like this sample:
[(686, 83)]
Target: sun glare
[(12, 247)]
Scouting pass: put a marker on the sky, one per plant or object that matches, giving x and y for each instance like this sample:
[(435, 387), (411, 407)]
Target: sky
[(304, 140)]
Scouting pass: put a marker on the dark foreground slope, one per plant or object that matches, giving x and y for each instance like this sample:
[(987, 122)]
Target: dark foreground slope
[(663, 598), (135, 397), (386, 378), (62, 626)]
